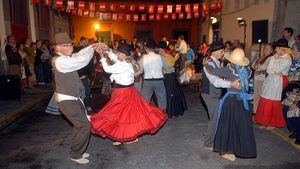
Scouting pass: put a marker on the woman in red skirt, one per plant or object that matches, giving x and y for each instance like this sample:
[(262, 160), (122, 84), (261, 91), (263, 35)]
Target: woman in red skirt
[(127, 115), (269, 111)]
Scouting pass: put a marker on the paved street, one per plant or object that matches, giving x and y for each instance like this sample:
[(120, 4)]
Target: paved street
[(41, 141)]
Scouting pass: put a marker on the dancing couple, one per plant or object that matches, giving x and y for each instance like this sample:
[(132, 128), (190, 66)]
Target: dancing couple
[(123, 119)]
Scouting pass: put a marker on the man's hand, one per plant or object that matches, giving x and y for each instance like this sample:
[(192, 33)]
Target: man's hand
[(235, 84)]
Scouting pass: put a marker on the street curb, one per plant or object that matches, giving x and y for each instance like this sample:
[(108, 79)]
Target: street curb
[(286, 138), (10, 117)]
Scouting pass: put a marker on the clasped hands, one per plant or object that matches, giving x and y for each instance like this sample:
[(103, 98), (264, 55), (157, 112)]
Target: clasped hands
[(101, 49)]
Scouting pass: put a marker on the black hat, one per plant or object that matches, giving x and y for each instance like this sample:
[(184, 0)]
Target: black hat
[(125, 49), (282, 43), (216, 45)]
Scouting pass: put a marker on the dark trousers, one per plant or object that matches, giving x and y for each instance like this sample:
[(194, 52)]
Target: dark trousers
[(74, 110), (212, 104), (39, 73), (293, 123), (87, 90)]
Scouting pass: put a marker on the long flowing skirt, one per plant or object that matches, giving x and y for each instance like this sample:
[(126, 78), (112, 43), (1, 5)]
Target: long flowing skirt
[(269, 112), (127, 116), (235, 132), (176, 103)]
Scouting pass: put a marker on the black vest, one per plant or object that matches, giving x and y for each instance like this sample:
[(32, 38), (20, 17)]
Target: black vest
[(67, 83), (207, 87)]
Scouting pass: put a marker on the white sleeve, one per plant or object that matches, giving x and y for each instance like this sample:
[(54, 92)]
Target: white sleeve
[(74, 62), (115, 68), (216, 81), (112, 56)]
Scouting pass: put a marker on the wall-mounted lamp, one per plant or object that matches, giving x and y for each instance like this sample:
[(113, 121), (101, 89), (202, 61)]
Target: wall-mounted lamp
[(96, 26), (243, 22), (213, 20)]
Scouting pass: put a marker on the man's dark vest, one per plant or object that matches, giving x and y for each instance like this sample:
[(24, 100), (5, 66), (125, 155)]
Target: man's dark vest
[(67, 83), (207, 87)]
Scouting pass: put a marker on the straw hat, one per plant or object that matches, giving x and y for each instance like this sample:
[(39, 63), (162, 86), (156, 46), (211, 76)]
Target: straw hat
[(238, 57), (62, 38)]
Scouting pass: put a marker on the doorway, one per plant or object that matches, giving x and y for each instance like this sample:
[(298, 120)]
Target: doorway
[(143, 35)]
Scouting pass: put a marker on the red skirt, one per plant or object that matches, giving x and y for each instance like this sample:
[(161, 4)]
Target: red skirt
[(269, 112), (127, 116)]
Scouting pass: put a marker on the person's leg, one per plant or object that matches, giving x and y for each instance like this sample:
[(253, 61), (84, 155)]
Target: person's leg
[(87, 89), (212, 106), (147, 90), (75, 112), (160, 92)]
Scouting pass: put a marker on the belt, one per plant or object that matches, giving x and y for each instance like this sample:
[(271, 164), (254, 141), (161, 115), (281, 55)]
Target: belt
[(153, 79), (122, 86)]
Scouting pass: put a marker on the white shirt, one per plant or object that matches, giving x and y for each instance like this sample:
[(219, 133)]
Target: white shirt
[(152, 65), (122, 71), (182, 48), (272, 86), (215, 80), (75, 62)]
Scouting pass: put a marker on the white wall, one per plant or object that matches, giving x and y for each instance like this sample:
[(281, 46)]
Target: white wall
[(254, 10)]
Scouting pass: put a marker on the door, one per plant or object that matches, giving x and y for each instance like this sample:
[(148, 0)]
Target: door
[(144, 35)]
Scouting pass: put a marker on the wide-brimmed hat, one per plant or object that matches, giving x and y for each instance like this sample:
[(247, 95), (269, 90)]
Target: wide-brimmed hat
[(238, 57), (216, 45), (62, 38), (125, 49), (282, 43)]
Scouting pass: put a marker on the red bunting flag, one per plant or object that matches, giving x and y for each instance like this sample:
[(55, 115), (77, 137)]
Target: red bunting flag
[(151, 9), (136, 17), (196, 15), (59, 4), (70, 4), (101, 16), (131, 8), (68, 10), (169, 8), (114, 16), (112, 7), (47, 2), (205, 14), (213, 5), (108, 16), (158, 17), (188, 15), (204, 6), (74, 12), (81, 5), (141, 7), (166, 16), (178, 8), (151, 17), (187, 8), (195, 7), (143, 17), (86, 13), (80, 12), (36, 1), (173, 16), (160, 9), (102, 7), (122, 7), (219, 5), (97, 14), (92, 6), (128, 17), (181, 15), (120, 17), (92, 14)]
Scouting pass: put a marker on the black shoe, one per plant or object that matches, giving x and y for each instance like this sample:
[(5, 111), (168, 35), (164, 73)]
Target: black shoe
[(292, 135), (297, 142)]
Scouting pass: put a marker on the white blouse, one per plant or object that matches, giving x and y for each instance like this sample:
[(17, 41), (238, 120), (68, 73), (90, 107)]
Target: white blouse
[(122, 71), (273, 85)]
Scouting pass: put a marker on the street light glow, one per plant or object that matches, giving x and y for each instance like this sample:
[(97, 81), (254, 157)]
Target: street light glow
[(213, 20), (239, 18), (97, 26)]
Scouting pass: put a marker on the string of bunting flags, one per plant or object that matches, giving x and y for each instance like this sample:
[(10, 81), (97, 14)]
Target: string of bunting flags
[(134, 12)]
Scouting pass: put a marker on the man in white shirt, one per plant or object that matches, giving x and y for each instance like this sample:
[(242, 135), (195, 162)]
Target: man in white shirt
[(211, 90), (67, 92), (152, 65), (288, 35), (181, 49)]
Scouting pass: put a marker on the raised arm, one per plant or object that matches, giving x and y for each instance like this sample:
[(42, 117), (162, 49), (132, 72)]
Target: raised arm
[(220, 72), (216, 81), (75, 62)]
